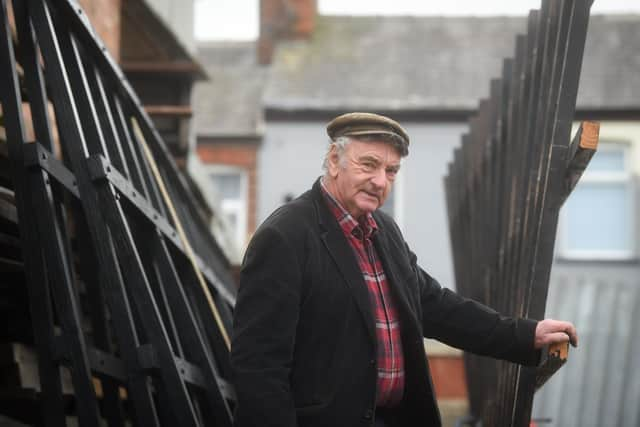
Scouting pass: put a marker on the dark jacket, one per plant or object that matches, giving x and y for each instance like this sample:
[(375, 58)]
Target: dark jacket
[(304, 348)]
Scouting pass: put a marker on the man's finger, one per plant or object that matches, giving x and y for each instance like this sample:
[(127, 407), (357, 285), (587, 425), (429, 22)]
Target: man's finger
[(556, 337), (570, 330), (550, 331)]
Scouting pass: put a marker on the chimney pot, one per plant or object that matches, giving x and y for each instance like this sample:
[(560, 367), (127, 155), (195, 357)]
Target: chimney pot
[(284, 20)]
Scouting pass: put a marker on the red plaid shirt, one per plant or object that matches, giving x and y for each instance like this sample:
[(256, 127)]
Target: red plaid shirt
[(390, 358)]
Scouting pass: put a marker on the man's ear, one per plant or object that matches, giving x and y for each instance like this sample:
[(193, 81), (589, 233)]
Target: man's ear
[(333, 161)]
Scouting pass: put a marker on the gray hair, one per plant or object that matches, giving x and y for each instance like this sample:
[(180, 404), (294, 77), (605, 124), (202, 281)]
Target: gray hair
[(341, 143)]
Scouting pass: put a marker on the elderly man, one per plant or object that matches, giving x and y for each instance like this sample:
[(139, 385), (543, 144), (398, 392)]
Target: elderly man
[(332, 307)]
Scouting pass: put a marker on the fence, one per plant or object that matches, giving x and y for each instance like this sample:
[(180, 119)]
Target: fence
[(505, 187)]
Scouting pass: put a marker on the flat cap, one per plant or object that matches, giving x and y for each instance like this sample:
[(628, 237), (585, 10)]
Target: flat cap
[(355, 124)]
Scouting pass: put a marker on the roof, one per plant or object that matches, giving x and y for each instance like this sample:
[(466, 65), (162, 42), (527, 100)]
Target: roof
[(600, 384), (229, 104), (436, 63), (611, 66)]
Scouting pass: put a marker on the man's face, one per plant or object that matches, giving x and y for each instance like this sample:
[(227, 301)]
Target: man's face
[(363, 177)]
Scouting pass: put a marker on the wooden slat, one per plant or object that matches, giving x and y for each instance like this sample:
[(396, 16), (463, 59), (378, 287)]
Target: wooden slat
[(169, 110)]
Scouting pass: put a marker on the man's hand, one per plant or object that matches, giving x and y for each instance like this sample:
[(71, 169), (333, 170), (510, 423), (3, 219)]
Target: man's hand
[(549, 331)]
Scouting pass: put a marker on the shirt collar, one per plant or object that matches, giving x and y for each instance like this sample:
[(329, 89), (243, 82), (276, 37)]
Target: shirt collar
[(367, 224)]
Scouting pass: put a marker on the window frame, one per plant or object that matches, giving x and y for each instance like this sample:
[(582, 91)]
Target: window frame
[(398, 201), (398, 198), (626, 177), (240, 206)]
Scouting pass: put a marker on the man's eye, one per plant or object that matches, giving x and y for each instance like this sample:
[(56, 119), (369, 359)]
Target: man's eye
[(368, 166)]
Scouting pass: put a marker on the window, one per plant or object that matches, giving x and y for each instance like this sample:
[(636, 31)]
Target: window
[(230, 184), (389, 205), (598, 217)]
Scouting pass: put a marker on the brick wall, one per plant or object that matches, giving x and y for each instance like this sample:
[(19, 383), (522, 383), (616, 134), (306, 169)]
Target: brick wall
[(447, 373), (104, 15), (450, 385)]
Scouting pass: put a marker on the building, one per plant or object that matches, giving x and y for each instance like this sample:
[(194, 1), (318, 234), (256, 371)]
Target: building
[(229, 120), (429, 73), (154, 44)]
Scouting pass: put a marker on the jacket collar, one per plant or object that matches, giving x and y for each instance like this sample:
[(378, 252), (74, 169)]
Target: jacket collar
[(362, 227)]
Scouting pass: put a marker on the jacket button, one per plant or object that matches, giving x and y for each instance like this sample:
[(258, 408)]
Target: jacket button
[(372, 362), (368, 415)]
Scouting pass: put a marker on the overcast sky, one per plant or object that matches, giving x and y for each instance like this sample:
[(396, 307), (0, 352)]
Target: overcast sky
[(238, 19)]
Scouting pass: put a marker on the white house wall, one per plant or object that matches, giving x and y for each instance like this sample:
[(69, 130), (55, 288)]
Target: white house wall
[(178, 15), (290, 159)]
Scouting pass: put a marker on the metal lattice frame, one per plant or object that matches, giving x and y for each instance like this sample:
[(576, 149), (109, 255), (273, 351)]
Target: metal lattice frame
[(505, 188), (101, 248)]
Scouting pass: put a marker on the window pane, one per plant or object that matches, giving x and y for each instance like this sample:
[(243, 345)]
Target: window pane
[(599, 218), (227, 185), (607, 161), (232, 218), (388, 205)]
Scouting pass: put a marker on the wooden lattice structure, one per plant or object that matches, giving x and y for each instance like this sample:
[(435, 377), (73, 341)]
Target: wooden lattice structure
[(505, 187), (130, 297)]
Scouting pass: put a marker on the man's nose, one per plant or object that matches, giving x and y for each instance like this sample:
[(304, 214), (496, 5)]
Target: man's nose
[(379, 178)]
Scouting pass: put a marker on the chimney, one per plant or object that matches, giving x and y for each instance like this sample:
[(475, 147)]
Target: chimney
[(284, 20)]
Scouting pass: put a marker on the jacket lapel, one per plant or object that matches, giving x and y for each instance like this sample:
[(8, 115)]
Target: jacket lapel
[(345, 259), (386, 253), (342, 254)]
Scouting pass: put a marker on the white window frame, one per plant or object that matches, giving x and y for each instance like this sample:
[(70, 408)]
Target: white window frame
[(239, 207), (398, 201), (608, 142)]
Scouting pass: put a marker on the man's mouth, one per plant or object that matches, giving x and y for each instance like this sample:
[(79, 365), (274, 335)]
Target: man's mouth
[(372, 195)]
